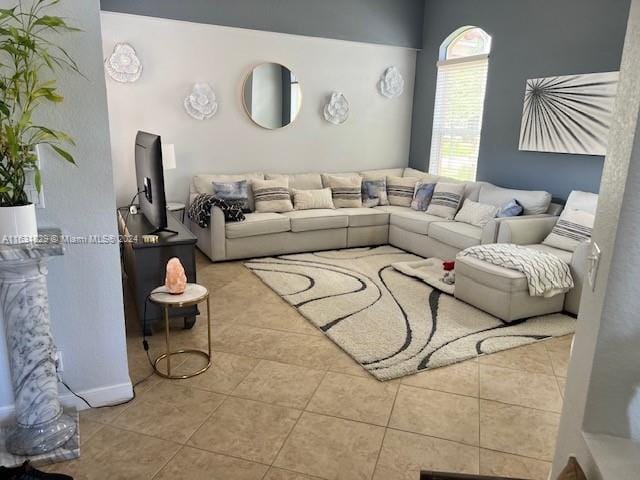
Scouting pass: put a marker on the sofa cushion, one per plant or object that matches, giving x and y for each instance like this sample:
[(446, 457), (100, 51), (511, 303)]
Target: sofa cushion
[(381, 174), (299, 181), (204, 183), (533, 202), (456, 234), (410, 220), (365, 217), (419, 174), (485, 273), (475, 213), (308, 220), (258, 224), (563, 255), (583, 201), (311, 199)]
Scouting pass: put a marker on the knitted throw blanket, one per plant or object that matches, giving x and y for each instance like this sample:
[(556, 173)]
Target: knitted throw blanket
[(200, 210), (546, 274)]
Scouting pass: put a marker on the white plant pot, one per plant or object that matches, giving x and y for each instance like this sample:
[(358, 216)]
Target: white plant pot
[(18, 224)]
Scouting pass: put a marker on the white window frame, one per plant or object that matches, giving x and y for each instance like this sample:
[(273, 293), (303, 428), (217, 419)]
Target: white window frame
[(439, 131)]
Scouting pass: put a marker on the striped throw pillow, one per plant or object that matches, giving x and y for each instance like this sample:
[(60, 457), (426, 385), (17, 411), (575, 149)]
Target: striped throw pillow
[(446, 200), (400, 190), (346, 190), (573, 228), (272, 196)]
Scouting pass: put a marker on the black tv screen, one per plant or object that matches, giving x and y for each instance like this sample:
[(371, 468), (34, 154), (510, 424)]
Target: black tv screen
[(150, 179)]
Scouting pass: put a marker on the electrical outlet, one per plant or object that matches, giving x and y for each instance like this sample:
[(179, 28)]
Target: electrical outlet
[(57, 358)]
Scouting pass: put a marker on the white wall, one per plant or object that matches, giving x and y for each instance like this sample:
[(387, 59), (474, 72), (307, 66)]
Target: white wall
[(85, 292), (176, 54)]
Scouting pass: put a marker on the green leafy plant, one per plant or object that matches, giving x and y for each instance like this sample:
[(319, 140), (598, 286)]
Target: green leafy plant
[(29, 60)]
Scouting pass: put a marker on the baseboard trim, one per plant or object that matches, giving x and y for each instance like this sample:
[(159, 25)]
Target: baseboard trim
[(96, 397)]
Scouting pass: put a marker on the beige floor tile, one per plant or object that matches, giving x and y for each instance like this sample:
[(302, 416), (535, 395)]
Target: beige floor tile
[(280, 474), (505, 465), (200, 465), (116, 454), (438, 414), (354, 398), (88, 429), (515, 387), (280, 383), (518, 430), (344, 363), (461, 378), (404, 454), (560, 362), (562, 385), (331, 448), (107, 415), (246, 429), (223, 376), (562, 344), (170, 411), (530, 358), (285, 347)]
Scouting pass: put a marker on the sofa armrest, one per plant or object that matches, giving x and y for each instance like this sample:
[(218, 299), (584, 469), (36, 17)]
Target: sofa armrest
[(218, 234), (491, 230), (579, 266), (526, 230)]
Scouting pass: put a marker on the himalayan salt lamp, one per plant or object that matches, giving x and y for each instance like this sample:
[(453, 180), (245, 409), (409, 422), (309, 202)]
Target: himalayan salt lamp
[(176, 280)]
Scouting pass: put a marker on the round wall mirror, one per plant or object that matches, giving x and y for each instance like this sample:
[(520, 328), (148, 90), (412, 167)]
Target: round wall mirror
[(272, 96)]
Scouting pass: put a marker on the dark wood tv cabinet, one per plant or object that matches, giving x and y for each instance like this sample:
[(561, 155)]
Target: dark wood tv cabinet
[(145, 264)]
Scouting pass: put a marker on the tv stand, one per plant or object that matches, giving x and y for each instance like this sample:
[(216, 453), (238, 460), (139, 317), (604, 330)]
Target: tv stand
[(145, 263), (163, 230)]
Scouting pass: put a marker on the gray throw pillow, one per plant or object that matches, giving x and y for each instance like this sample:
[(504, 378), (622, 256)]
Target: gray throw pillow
[(374, 193), (234, 193), (422, 196)]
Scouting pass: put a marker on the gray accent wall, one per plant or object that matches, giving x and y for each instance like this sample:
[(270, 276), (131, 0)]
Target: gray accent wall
[(531, 38), (389, 22)]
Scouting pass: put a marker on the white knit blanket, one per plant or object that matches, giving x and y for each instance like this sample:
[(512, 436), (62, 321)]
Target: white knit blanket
[(546, 274)]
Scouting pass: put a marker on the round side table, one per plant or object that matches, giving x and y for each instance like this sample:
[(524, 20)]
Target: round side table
[(177, 207), (193, 295)]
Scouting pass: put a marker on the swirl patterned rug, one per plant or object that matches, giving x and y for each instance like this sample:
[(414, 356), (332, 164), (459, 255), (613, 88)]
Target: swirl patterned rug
[(392, 324)]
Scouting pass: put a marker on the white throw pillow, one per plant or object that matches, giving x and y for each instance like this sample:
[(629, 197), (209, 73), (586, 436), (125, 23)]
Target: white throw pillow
[(475, 213), (312, 199), (400, 190), (446, 200), (346, 190), (573, 228), (272, 196)]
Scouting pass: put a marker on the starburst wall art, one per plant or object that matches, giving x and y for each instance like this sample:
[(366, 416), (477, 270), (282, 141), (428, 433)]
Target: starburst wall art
[(569, 114)]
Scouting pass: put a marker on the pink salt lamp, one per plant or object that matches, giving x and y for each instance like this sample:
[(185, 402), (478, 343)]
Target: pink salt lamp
[(176, 280)]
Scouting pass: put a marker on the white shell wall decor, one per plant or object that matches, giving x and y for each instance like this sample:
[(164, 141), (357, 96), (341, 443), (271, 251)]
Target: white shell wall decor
[(337, 110), (201, 103), (123, 65), (391, 84)]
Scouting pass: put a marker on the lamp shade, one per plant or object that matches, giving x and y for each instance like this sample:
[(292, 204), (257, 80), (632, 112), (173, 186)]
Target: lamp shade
[(168, 156)]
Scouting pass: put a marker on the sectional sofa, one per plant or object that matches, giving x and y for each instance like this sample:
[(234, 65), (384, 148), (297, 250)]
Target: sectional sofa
[(264, 234)]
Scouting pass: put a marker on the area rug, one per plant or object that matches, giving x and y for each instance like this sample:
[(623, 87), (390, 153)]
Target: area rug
[(392, 324)]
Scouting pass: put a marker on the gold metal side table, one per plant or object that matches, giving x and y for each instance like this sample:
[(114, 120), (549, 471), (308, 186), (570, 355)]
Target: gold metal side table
[(193, 295)]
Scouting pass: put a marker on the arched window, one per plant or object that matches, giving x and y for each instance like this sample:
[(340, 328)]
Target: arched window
[(460, 91)]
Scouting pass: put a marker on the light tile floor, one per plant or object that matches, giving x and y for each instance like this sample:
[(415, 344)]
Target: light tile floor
[(282, 402)]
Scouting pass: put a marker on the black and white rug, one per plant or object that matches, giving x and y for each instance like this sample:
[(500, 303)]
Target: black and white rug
[(392, 324)]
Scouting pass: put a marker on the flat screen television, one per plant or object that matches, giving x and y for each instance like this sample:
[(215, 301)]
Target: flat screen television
[(150, 180)]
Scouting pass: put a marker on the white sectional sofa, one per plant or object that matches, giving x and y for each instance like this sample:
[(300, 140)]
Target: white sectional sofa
[(264, 234)]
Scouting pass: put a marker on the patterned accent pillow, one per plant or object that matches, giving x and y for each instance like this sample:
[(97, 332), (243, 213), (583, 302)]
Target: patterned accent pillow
[(346, 190), (272, 195), (400, 190), (510, 209), (312, 199), (474, 213), (573, 228), (446, 200), (422, 196), (234, 193), (374, 193)]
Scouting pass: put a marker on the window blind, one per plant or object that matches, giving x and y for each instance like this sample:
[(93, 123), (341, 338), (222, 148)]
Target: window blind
[(457, 117)]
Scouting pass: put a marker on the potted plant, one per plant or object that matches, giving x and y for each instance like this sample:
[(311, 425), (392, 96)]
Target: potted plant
[(29, 60)]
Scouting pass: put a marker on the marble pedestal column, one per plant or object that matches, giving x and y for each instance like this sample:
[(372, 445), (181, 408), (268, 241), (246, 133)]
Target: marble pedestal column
[(41, 425)]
